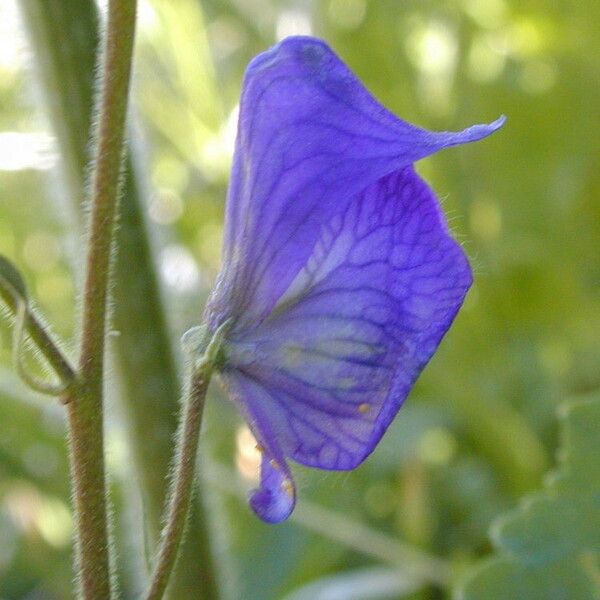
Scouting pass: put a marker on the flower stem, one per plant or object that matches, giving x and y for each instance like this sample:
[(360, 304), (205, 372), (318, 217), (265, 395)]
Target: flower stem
[(86, 408), (183, 479)]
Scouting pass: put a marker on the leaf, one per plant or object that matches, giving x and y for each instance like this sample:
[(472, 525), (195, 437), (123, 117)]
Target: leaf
[(32, 445), (549, 548), (369, 583)]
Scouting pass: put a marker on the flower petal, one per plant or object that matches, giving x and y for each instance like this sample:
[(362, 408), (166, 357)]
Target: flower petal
[(275, 499), (347, 340), (310, 138)]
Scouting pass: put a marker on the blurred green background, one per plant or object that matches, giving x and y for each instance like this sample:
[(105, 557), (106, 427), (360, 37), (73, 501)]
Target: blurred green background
[(478, 432)]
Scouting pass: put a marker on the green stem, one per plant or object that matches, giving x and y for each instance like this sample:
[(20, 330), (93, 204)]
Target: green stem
[(64, 38), (105, 184), (89, 495), (86, 410), (185, 463)]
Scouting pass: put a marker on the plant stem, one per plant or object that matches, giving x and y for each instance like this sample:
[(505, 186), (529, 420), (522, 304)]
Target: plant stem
[(86, 453), (185, 467), (86, 409), (105, 184), (64, 37)]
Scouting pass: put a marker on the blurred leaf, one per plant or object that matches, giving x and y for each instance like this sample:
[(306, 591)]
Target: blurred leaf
[(180, 96), (64, 38), (549, 548), (375, 583), (32, 448)]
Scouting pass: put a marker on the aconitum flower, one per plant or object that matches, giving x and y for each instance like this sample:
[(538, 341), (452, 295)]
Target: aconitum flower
[(339, 274)]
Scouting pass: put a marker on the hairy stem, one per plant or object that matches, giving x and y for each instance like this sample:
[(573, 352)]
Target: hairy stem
[(89, 496), (86, 410), (64, 36), (105, 184), (183, 479)]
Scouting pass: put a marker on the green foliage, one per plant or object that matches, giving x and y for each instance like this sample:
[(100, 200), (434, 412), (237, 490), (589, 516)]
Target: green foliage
[(549, 548), (479, 428)]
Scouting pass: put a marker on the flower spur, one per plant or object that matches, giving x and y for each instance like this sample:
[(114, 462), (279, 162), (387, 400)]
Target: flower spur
[(339, 274)]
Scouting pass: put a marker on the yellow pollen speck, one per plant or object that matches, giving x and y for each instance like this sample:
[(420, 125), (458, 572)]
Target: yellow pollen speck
[(260, 448), (287, 487), (364, 408), (274, 464)]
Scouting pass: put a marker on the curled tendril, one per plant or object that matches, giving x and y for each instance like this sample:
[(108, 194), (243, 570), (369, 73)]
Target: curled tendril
[(13, 291), (35, 383)]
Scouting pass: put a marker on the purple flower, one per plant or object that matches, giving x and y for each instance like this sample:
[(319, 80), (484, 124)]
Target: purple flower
[(339, 274)]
